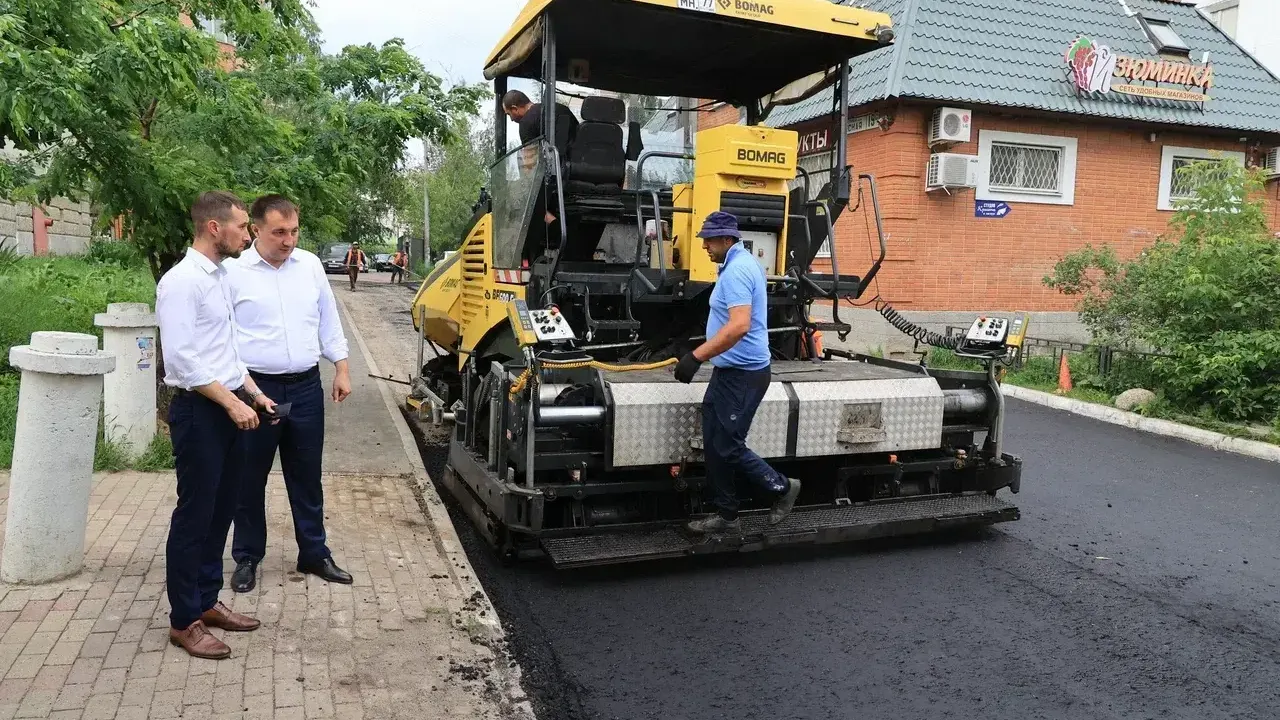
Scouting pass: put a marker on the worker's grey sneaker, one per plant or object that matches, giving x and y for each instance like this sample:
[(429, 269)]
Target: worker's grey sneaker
[(782, 508), (713, 524)]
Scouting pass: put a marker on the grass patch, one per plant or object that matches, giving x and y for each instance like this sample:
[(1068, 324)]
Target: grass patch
[(158, 455), (8, 416)]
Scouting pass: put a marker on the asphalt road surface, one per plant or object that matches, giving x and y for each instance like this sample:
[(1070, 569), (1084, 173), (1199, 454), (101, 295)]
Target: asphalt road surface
[(1139, 583)]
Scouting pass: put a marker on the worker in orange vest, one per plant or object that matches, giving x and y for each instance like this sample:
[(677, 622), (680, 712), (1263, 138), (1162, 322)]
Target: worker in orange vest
[(355, 260), (399, 261)]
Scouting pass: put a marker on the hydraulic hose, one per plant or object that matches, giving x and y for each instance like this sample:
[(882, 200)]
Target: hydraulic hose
[(518, 385), (910, 329)]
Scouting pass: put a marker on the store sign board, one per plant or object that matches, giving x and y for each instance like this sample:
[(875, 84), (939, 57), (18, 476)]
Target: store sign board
[(1094, 68), (818, 141)]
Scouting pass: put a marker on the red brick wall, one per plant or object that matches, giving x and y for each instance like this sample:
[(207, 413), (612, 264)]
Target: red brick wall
[(723, 115), (943, 258)]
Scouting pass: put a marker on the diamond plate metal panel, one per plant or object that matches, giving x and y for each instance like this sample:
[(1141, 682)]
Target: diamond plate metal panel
[(654, 422), (911, 415)]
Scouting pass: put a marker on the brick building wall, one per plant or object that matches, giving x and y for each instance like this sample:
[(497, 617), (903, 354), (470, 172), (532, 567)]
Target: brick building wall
[(941, 257)]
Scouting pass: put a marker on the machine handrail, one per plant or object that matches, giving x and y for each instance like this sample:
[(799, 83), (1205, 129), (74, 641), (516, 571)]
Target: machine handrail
[(835, 261), (875, 205), (564, 231), (805, 173), (658, 154)]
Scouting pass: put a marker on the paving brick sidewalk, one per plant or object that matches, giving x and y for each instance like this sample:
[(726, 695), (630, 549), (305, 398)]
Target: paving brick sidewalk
[(409, 639)]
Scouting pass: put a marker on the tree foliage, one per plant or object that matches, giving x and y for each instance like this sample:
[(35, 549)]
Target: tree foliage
[(454, 172), (1205, 294), (125, 102)]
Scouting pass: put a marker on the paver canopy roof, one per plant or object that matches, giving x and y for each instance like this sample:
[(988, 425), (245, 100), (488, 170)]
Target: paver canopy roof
[(733, 50)]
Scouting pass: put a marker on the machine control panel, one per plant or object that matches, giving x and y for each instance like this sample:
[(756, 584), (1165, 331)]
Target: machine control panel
[(993, 337), (550, 325), (988, 330), (522, 322)]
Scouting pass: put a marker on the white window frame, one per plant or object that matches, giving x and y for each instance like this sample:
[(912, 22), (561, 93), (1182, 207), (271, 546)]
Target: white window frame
[(1169, 152), (1066, 193)]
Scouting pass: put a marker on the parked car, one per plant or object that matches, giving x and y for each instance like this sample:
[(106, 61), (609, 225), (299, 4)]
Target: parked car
[(382, 262), (335, 262)]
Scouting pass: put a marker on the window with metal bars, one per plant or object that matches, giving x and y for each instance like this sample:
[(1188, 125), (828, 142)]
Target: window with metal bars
[(1181, 185), (1025, 168)]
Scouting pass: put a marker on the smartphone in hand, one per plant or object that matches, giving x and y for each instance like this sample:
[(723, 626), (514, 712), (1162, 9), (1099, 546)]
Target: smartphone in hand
[(281, 412)]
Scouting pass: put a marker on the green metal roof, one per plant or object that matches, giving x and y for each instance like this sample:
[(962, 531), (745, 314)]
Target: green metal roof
[(1009, 53)]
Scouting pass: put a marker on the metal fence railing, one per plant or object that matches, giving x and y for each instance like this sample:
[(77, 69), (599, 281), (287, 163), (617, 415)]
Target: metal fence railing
[(1041, 347)]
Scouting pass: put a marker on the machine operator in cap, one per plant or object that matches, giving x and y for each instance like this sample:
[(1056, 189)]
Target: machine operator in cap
[(738, 347)]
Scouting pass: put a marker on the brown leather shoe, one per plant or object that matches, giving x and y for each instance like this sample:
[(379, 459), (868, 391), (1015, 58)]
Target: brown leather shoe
[(222, 617), (199, 642)]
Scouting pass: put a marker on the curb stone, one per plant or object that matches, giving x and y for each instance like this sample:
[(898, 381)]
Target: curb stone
[(474, 600), (1155, 426)]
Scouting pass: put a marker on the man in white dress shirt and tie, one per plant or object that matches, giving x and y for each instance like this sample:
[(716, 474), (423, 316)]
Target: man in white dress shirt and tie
[(212, 409), (286, 319)]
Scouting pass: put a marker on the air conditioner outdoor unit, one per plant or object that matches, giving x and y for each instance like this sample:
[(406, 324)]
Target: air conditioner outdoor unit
[(951, 170), (1271, 163), (950, 125)]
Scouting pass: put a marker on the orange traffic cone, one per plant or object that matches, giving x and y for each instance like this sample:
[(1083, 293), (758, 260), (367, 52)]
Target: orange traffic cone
[(1064, 375)]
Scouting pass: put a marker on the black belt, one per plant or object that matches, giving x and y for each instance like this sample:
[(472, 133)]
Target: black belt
[(288, 378)]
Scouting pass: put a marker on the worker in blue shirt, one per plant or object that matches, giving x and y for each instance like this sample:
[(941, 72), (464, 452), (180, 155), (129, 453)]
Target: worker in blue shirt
[(738, 347)]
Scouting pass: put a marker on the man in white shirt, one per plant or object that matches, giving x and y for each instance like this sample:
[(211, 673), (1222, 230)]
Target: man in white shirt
[(286, 319), (208, 416)]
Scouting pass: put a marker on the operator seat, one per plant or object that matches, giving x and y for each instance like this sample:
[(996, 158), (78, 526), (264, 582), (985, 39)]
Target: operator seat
[(597, 159)]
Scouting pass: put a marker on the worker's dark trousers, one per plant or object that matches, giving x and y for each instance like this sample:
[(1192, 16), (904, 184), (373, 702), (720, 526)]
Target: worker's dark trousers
[(209, 454), (727, 410), (300, 440)]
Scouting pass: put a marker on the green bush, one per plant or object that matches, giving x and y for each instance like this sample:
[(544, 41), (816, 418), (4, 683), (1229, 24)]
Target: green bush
[(115, 252), (63, 293), (1205, 294)]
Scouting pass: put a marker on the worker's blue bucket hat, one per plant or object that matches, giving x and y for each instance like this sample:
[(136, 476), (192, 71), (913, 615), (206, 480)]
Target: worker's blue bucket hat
[(720, 224)]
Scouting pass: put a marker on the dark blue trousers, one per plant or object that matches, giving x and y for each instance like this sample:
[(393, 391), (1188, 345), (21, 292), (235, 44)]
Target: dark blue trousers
[(300, 440), (209, 454), (732, 398)]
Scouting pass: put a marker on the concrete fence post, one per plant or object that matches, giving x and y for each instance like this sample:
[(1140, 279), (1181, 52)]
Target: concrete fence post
[(59, 398), (129, 392)]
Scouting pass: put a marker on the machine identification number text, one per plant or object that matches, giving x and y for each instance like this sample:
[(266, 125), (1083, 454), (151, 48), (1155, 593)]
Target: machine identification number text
[(699, 5)]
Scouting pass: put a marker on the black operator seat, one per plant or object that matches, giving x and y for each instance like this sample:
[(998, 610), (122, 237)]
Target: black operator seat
[(597, 157)]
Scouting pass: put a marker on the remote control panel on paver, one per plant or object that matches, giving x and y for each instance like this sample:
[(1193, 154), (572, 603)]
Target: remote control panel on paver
[(988, 330), (550, 325)]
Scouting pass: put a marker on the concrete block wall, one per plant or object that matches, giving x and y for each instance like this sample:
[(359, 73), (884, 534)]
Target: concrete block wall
[(70, 233)]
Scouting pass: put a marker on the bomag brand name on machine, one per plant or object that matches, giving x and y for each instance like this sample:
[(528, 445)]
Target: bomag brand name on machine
[(756, 8), (571, 439), (766, 157)]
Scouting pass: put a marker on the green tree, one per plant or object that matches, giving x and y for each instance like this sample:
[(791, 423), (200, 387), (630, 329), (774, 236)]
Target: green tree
[(127, 103), (1205, 294), (454, 172)]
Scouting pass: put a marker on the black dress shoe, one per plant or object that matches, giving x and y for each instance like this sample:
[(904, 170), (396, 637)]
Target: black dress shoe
[(326, 569), (245, 577)]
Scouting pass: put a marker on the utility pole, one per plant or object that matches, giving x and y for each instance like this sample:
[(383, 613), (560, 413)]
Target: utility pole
[(419, 247)]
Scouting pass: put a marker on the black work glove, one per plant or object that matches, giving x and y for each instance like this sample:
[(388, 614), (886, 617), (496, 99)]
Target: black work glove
[(687, 368)]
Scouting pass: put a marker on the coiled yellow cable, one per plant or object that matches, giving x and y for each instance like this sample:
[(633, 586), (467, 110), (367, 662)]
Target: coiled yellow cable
[(523, 379)]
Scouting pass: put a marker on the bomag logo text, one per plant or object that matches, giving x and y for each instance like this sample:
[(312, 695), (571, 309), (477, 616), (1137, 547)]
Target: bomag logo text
[(758, 8), (769, 157)]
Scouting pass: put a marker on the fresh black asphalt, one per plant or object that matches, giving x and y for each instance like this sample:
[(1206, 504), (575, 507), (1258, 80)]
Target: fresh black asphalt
[(1139, 583)]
